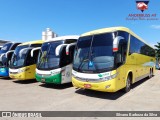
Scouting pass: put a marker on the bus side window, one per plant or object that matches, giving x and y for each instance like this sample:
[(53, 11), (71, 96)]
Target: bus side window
[(71, 54), (14, 46), (122, 51), (64, 59), (68, 41), (32, 60), (35, 56), (36, 45), (9, 59)]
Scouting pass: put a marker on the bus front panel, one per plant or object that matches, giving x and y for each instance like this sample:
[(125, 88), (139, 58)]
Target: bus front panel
[(4, 71), (24, 73), (49, 76), (105, 82)]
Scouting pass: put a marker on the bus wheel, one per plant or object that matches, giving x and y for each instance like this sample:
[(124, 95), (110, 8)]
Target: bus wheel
[(150, 74), (128, 84)]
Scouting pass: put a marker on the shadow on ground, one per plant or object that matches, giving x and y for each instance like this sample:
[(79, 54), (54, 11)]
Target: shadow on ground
[(102, 95), (5, 78), (106, 95), (25, 81), (56, 86), (139, 82)]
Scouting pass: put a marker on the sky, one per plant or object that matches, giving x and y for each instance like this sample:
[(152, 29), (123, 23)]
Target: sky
[(24, 20)]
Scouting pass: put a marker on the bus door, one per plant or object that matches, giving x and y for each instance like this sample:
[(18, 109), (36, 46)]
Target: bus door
[(66, 59), (121, 55), (69, 53)]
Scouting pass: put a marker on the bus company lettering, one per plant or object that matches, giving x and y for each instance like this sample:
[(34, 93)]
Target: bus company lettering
[(104, 74), (142, 15), (135, 16)]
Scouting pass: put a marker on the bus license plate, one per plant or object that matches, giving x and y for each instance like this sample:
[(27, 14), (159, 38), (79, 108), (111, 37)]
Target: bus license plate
[(87, 85), (43, 80)]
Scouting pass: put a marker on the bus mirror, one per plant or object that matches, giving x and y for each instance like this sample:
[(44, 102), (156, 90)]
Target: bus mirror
[(116, 43), (9, 62), (118, 58), (58, 48), (68, 46), (23, 51), (1, 56), (32, 51), (6, 54)]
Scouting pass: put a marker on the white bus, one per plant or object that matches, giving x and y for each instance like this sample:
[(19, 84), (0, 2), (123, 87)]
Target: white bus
[(55, 60)]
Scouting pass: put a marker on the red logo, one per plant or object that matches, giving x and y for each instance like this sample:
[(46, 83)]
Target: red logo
[(142, 6)]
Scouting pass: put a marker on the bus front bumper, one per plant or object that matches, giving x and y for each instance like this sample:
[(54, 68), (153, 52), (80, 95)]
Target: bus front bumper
[(56, 79), (4, 72), (19, 76), (106, 86)]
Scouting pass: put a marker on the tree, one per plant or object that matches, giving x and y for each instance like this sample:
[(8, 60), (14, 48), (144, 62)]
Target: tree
[(157, 50)]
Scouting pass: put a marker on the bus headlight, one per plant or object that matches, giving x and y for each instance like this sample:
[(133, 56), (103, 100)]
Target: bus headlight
[(23, 70), (55, 73), (74, 76)]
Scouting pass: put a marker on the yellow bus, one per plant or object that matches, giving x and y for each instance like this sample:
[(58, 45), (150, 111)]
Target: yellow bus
[(111, 59), (23, 65)]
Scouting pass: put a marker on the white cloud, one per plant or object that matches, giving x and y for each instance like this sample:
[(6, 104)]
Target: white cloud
[(155, 26)]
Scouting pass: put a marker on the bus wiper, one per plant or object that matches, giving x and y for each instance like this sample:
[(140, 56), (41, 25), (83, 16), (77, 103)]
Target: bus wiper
[(48, 51), (92, 56), (45, 56), (40, 59), (83, 60), (14, 59)]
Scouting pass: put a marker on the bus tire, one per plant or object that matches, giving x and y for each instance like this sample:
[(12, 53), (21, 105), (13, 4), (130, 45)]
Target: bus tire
[(150, 73), (128, 84)]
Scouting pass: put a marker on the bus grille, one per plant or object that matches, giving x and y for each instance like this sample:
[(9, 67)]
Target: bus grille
[(88, 80), (44, 75), (13, 72)]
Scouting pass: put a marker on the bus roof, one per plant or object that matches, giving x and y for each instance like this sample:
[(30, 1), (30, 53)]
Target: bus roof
[(12, 42), (32, 42), (113, 29), (63, 38)]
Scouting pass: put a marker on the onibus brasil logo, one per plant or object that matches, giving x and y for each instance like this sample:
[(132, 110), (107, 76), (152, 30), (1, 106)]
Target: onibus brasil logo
[(142, 4)]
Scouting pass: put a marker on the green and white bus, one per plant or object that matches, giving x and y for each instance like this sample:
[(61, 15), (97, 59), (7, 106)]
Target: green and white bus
[(54, 63)]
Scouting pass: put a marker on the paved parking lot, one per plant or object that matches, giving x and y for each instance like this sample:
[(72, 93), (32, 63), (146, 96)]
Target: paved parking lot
[(34, 96)]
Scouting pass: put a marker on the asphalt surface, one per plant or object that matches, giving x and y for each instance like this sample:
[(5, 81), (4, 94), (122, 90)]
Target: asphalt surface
[(34, 96)]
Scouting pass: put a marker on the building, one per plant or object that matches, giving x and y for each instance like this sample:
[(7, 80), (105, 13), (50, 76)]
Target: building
[(48, 34)]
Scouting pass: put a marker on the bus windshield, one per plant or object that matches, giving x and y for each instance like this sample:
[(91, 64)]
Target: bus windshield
[(18, 60), (5, 48), (47, 58), (94, 54)]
